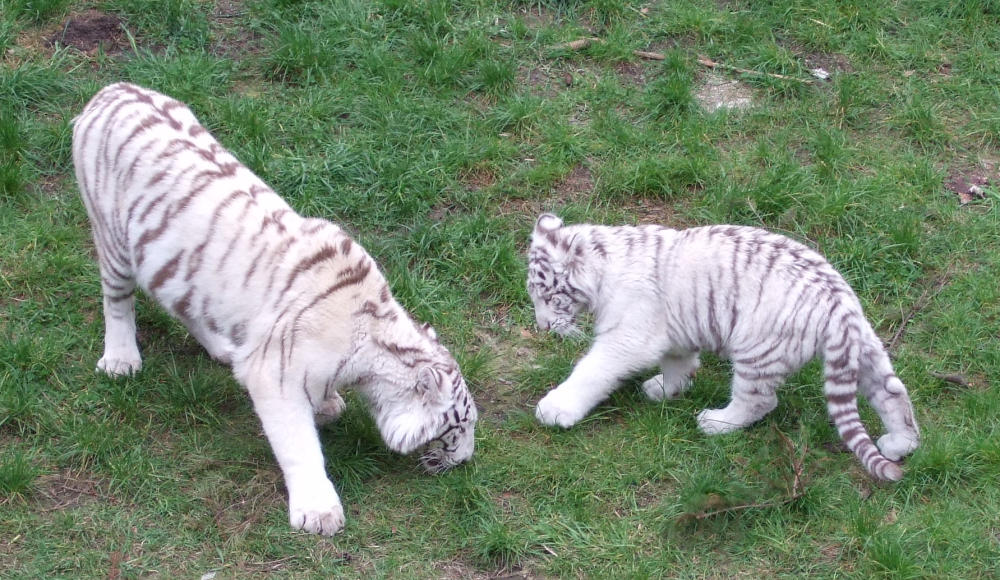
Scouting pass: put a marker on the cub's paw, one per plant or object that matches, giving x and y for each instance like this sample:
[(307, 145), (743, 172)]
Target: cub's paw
[(716, 422), (895, 446), (117, 366), (329, 410), (556, 408), (317, 514)]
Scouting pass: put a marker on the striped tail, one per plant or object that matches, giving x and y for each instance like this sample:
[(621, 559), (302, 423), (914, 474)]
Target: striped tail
[(841, 368)]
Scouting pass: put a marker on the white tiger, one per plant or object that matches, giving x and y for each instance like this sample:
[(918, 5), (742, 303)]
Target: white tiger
[(293, 304), (765, 302)]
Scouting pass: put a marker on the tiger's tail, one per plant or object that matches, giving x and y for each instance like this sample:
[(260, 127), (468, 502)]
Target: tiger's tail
[(841, 367)]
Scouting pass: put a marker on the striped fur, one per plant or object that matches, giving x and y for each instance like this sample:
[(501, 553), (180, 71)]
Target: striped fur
[(765, 302), (294, 305)]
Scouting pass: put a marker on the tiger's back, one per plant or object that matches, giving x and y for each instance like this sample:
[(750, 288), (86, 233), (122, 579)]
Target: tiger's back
[(194, 227)]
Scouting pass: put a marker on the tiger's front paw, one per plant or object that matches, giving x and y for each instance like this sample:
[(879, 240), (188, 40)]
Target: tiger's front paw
[(116, 366), (556, 408), (317, 511)]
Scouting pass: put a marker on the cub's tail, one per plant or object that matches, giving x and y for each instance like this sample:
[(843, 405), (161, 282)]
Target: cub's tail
[(841, 368)]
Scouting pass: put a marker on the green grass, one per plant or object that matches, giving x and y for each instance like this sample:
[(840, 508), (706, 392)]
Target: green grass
[(435, 132)]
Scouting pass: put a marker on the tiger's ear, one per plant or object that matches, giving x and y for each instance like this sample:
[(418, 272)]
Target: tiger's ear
[(428, 387), (429, 331), (547, 222)]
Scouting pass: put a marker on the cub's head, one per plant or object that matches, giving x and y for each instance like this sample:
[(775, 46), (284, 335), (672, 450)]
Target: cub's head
[(550, 277), (435, 414), (456, 430)]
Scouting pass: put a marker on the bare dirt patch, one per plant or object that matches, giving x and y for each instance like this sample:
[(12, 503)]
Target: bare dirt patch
[(536, 16), (660, 212), (232, 40), (631, 72), (478, 178), (545, 81), (89, 32), (575, 185), (830, 62), (500, 394), (578, 181), (717, 92), (968, 183)]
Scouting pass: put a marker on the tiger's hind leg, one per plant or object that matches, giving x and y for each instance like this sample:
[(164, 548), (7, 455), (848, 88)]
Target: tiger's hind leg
[(753, 396), (676, 377), (121, 352), (887, 395)]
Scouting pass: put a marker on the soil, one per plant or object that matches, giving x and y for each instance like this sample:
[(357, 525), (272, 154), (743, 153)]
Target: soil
[(830, 62), (89, 31), (632, 72), (579, 181), (718, 92), (963, 183)]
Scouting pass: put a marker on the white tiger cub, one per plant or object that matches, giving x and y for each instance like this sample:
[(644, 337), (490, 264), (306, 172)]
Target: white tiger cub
[(765, 302), (293, 304)]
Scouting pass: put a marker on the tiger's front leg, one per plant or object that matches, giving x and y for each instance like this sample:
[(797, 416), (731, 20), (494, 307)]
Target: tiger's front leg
[(595, 377), (287, 418)]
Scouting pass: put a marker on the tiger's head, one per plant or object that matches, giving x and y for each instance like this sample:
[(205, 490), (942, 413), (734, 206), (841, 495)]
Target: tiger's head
[(551, 266), (433, 415), (455, 441)]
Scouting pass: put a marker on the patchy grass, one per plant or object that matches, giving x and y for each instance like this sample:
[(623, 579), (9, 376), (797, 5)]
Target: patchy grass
[(435, 133)]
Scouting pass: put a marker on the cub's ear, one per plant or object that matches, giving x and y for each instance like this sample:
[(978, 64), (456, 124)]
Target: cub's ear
[(429, 331), (429, 384), (547, 222)]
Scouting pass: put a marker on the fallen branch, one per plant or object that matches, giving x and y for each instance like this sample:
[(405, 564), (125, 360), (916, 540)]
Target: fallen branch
[(920, 304), (705, 61)]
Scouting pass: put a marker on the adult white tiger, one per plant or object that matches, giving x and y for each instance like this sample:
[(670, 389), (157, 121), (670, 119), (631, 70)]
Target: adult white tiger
[(767, 303), (293, 304)]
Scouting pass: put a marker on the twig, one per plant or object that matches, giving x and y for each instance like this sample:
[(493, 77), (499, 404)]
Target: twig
[(956, 379), (705, 61), (920, 304), (795, 491), (581, 43)]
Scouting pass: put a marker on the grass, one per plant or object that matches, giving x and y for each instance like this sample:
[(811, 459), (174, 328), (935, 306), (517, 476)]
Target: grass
[(435, 134)]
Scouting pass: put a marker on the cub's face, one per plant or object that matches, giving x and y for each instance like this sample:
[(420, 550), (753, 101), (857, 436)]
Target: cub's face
[(553, 295), (456, 441)]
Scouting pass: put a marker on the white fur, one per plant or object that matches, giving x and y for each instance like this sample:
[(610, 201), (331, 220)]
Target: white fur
[(660, 296), (293, 304)]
